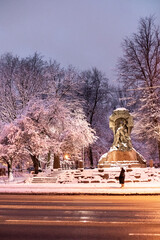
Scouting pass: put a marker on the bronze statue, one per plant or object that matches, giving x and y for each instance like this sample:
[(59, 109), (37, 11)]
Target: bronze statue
[(122, 140)]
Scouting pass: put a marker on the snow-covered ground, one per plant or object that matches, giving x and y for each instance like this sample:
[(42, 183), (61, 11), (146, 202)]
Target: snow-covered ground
[(89, 181)]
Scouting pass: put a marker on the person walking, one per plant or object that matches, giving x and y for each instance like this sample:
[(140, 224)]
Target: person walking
[(122, 177)]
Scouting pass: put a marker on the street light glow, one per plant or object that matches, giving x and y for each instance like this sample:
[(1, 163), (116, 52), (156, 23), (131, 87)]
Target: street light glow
[(66, 157)]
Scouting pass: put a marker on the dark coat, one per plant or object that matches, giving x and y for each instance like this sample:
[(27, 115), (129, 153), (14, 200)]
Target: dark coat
[(122, 176)]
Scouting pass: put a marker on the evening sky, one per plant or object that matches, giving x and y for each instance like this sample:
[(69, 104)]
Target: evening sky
[(83, 33)]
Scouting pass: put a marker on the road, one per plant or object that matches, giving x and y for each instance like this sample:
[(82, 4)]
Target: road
[(36, 217)]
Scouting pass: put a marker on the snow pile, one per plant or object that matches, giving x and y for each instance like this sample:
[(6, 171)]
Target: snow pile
[(107, 175), (87, 176)]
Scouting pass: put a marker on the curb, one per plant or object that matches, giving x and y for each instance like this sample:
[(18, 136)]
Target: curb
[(81, 194)]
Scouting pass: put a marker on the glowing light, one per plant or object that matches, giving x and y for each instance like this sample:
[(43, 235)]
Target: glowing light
[(66, 157)]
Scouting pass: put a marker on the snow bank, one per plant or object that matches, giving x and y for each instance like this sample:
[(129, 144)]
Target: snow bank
[(89, 181)]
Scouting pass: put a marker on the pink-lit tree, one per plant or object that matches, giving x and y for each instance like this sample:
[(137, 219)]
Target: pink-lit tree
[(59, 126), (10, 146), (50, 126)]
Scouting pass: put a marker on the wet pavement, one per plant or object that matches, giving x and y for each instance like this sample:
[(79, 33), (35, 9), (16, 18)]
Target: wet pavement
[(79, 217)]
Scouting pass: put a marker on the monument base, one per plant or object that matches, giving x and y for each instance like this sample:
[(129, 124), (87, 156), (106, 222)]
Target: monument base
[(122, 158)]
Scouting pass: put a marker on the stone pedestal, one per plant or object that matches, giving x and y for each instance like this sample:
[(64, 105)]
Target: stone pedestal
[(122, 156), (118, 158)]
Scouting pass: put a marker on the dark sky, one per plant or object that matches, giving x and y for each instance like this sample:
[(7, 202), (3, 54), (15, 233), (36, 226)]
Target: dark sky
[(84, 33)]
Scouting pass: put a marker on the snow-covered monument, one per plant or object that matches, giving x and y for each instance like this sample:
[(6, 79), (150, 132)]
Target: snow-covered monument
[(121, 152)]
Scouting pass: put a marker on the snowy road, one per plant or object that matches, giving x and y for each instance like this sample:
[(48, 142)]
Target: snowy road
[(31, 217)]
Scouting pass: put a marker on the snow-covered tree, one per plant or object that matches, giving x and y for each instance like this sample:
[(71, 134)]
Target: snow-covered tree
[(20, 80), (77, 133), (139, 66), (46, 126), (8, 69), (97, 97), (60, 82), (32, 77), (10, 146), (147, 123), (64, 125), (29, 80), (139, 71), (33, 142)]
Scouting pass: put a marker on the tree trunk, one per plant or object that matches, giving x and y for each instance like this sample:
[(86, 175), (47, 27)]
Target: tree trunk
[(56, 164), (36, 163), (159, 152), (90, 155), (49, 160), (10, 174)]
